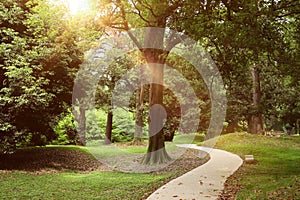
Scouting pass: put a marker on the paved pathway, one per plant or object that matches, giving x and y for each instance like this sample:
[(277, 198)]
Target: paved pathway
[(203, 182)]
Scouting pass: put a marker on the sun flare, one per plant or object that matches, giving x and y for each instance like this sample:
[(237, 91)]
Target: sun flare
[(76, 6)]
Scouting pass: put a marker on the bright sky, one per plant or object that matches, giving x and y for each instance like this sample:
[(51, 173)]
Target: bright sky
[(76, 6)]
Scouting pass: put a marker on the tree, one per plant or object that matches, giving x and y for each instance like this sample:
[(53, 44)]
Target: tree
[(38, 63), (238, 34), (243, 35), (139, 117), (155, 59), (97, 78), (160, 14), (255, 124)]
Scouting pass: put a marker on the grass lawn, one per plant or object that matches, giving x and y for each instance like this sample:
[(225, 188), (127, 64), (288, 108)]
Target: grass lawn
[(72, 185), (59, 172), (275, 175)]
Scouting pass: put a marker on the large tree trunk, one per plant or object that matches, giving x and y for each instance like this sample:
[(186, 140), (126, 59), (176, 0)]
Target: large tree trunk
[(108, 131), (155, 58), (232, 127), (255, 123), (82, 125), (137, 139), (156, 153)]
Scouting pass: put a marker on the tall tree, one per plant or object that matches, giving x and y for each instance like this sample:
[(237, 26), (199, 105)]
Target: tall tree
[(99, 74), (243, 34), (38, 64), (255, 124), (125, 15)]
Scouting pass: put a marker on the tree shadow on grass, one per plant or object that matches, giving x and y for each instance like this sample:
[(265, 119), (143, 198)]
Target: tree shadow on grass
[(41, 159)]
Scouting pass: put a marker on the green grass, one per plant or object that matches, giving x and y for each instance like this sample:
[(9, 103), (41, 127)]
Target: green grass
[(276, 175), (100, 151), (16, 184), (193, 138), (95, 185)]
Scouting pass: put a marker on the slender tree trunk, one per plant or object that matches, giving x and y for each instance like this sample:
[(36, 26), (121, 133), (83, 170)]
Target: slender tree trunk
[(298, 126), (108, 131), (82, 125), (137, 140), (255, 123)]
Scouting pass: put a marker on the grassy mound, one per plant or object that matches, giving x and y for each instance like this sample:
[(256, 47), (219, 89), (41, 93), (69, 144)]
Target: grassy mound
[(274, 175)]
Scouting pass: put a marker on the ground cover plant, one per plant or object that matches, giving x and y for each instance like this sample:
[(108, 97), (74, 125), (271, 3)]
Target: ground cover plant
[(275, 174)]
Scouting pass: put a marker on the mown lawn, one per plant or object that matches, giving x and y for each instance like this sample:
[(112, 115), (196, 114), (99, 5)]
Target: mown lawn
[(274, 175), (64, 172), (94, 185)]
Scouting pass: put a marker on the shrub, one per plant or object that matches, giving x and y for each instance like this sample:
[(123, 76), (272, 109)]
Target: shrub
[(66, 131), (199, 137)]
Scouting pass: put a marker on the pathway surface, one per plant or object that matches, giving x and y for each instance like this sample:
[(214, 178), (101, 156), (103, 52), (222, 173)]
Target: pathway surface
[(204, 182)]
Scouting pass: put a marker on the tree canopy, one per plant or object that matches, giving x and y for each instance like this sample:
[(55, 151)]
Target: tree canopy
[(39, 59), (254, 44)]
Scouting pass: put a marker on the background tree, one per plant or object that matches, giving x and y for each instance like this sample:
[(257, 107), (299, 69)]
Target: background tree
[(243, 35), (38, 62)]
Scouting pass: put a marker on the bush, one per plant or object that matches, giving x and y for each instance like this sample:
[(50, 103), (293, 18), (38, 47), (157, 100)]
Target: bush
[(199, 137), (95, 124), (66, 131), (123, 126)]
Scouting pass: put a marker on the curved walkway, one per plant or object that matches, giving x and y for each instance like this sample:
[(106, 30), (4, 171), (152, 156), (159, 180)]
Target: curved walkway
[(204, 182)]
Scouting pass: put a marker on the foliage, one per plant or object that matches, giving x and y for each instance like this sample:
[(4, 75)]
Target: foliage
[(198, 86), (239, 35), (37, 66), (66, 130), (95, 124), (124, 127), (39, 55)]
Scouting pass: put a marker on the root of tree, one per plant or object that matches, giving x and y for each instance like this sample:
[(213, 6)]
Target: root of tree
[(156, 157)]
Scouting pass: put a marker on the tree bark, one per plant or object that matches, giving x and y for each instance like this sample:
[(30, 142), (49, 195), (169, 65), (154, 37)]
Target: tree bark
[(255, 122), (108, 132), (232, 127), (155, 57), (156, 152), (137, 140), (82, 125)]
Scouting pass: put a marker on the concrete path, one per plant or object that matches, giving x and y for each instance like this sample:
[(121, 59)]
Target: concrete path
[(203, 182)]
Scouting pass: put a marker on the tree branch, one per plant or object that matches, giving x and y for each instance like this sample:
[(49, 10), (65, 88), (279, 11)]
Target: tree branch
[(173, 42), (126, 27), (139, 12), (148, 7)]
